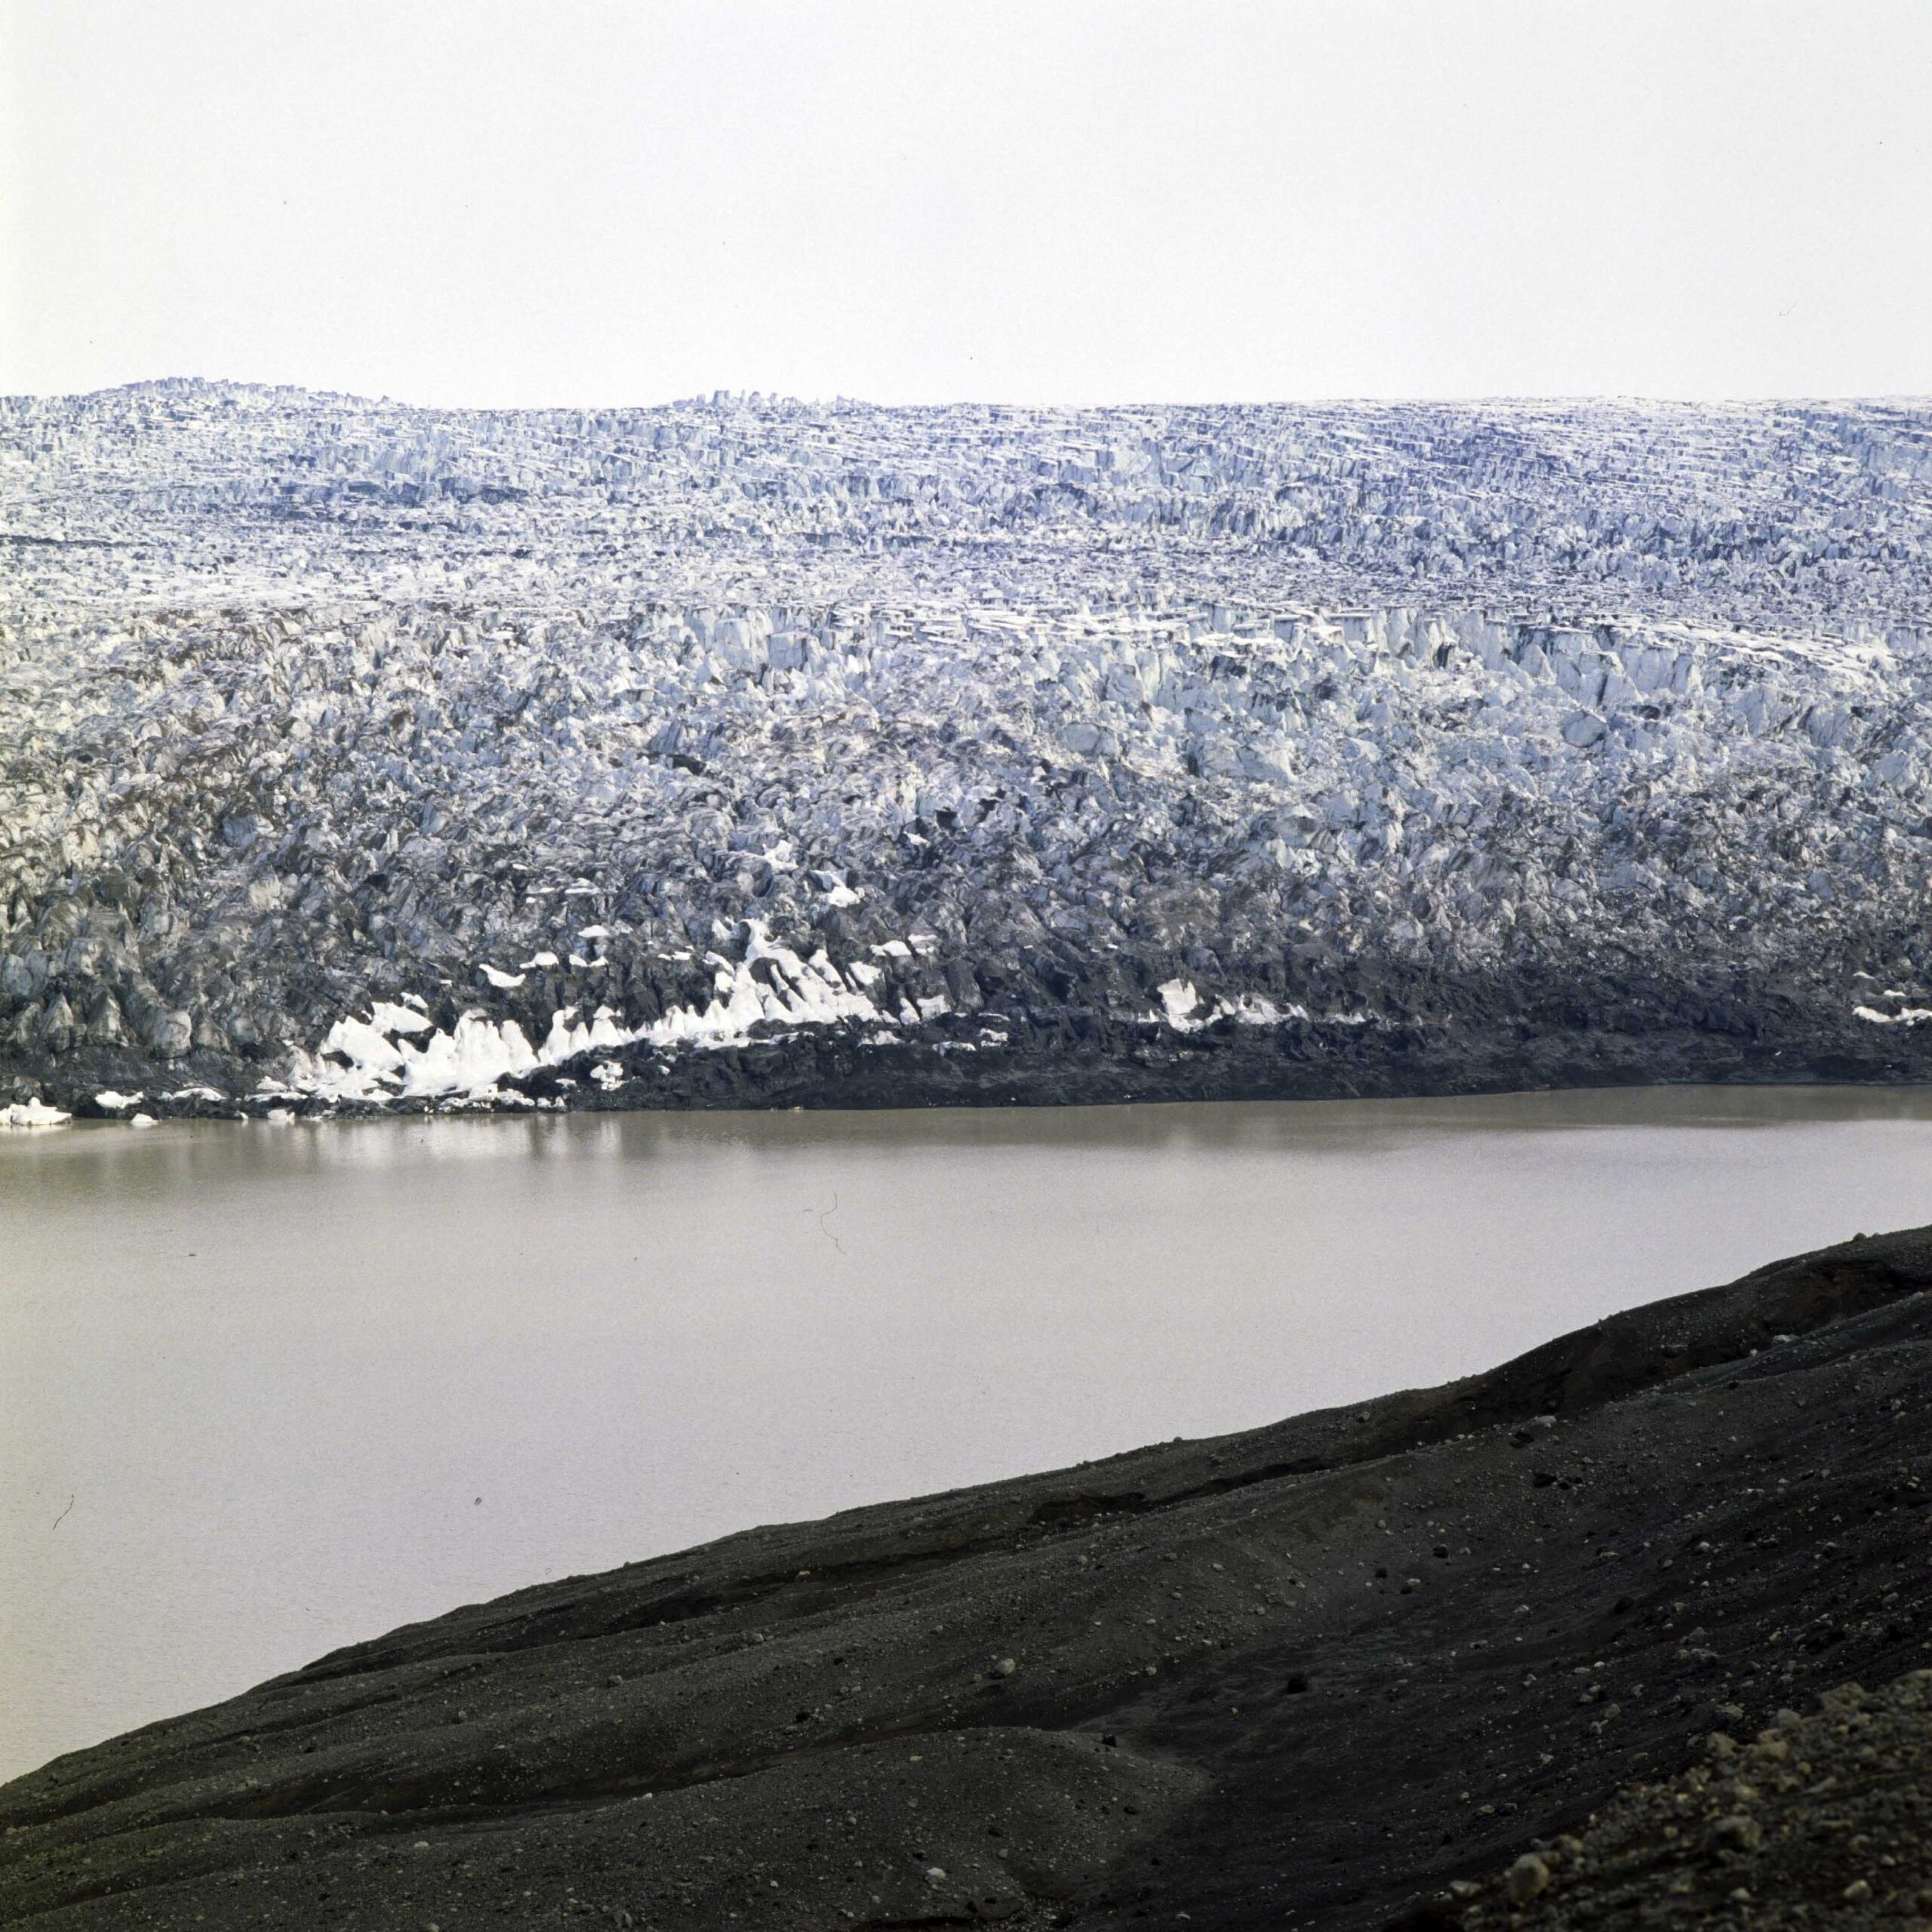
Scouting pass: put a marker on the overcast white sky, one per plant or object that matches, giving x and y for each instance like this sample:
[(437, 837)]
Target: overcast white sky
[(622, 200)]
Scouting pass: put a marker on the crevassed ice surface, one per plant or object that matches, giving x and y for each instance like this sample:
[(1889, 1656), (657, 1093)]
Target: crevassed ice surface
[(387, 751)]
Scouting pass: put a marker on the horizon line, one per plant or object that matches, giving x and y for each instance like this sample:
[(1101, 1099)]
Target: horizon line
[(757, 397)]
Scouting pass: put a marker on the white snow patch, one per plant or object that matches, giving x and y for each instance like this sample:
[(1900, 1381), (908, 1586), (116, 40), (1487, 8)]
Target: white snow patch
[(390, 1019), (116, 1102), (482, 1052), (1255, 1010), (503, 982), (1909, 1016), (1179, 1001), (1181, 1005)]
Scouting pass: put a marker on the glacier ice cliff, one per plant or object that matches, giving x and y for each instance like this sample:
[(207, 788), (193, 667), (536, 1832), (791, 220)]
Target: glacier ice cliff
[(745, 750)]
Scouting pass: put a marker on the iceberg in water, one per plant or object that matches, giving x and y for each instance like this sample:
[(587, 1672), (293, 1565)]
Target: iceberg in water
[(32, 1113)]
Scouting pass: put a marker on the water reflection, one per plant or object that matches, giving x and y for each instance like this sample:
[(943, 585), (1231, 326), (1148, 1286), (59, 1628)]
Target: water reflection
[(233, 1152)]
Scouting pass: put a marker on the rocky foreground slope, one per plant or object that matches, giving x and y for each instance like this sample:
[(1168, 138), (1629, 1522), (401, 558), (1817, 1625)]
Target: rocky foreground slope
[(1340, 1673), (757, 752), (1824, 1819)]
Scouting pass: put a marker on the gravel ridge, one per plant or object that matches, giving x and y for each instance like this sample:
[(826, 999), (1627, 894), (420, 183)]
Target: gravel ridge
[(1312, 1674)]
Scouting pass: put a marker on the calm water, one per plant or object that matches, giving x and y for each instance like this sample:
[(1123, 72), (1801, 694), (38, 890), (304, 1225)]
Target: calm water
[(266, 1390)]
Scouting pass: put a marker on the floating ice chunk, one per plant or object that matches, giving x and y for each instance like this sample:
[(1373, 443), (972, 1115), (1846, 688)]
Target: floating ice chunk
[(32, 1113), (142, 1120), (503, 982), (115, 1102)]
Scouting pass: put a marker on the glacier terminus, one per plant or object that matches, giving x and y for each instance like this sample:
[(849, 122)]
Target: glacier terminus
[(751, 751)]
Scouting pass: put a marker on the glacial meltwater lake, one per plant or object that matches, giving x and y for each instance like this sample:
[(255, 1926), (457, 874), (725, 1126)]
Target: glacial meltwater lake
[(268, 1389)]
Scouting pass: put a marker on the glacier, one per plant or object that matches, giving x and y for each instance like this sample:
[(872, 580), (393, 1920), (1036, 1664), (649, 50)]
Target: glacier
[(747, 751)]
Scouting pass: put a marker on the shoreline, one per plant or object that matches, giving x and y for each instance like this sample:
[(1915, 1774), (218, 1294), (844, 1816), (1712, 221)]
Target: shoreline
[(836, 1070)]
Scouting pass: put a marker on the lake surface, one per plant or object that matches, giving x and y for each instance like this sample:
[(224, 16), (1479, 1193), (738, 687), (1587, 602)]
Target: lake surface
[(265, 1390)]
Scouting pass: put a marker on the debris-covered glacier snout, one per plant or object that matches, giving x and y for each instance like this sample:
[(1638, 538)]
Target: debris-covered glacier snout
[(754, 752)]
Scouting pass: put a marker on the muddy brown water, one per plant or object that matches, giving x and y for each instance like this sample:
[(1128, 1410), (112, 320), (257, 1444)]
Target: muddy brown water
[(265, 1390)]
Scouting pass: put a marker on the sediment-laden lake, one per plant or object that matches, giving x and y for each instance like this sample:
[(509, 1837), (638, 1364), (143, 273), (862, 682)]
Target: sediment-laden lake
[(264, 1390)]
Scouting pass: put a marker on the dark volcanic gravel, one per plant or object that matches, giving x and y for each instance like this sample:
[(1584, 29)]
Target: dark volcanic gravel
[(1309, 1675), (1821, 1820)]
